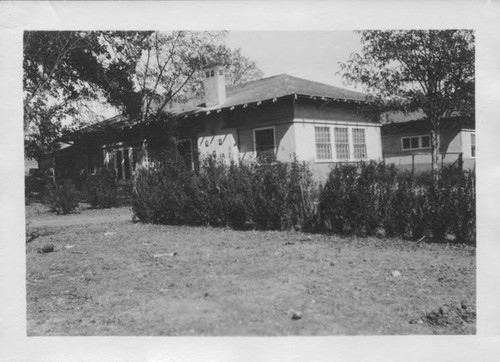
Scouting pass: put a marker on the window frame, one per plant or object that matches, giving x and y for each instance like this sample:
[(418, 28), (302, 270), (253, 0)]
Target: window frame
[(255, 130), (350, 143), (473, 145), (359, 144), (420, 137), (349, 153), (317, 159)]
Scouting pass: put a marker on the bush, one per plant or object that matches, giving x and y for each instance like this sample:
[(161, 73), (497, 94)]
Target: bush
[(101, 189), (63, 198), (366, 198), (265, 196)]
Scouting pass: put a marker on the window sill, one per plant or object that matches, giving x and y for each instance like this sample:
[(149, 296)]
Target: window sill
[(416, 149)]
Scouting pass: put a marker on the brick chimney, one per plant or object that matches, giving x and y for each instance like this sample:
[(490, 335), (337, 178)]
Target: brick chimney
[(214, 81)]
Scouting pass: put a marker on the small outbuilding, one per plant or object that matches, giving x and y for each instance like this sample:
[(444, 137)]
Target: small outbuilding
[(408, 143)]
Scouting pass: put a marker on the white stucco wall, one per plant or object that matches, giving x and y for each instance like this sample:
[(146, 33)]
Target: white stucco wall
[(222, 144)]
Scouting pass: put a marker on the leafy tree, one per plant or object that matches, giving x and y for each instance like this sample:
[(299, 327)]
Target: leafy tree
[(62, 71), (408, 70)]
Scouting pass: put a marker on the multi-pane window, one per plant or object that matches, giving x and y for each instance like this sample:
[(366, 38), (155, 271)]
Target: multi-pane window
[(473, 144), (359, 143), (341, 142), (323, 143), (264, 144), (415, 142)]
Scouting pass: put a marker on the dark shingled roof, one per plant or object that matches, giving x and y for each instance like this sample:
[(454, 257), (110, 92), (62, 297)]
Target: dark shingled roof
[(269, 88), (457, 123)]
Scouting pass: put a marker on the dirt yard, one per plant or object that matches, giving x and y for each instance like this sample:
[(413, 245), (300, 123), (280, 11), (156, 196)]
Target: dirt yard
[(111, 276)]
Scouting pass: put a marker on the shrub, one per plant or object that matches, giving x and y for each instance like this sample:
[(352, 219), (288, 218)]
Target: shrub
[(362, 199), (218, 193), (101, 189), (63, 198)]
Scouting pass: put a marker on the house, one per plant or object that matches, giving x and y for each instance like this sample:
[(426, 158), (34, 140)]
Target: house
[(279, 117), (407, 143)]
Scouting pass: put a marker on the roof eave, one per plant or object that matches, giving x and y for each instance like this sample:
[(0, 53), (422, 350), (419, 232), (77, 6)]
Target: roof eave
[(218, 109)]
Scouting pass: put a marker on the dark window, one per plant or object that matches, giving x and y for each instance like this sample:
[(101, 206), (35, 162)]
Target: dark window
[(126, 164), (207, 74), (416, 142), (426, 141), (221, 72), (119, 165), (212, 73), (264, 144)]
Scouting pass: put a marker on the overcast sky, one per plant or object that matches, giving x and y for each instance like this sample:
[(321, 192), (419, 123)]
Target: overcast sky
[(313, 55)]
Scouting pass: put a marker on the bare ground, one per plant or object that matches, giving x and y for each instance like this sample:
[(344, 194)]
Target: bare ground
[(104, 279)]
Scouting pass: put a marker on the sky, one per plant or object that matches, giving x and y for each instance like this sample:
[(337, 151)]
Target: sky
[(312, 55)]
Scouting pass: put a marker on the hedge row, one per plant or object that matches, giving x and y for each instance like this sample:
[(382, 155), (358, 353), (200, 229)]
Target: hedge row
[(375, 198), (269, 196), (363, 199)]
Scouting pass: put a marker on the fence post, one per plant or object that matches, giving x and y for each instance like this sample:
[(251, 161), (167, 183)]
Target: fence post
[(412, 164)]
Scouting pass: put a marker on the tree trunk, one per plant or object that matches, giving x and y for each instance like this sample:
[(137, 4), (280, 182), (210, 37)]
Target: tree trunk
[(435, 145)]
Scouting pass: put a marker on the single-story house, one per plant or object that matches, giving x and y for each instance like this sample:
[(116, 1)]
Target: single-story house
[(408, 143), (281, 117)]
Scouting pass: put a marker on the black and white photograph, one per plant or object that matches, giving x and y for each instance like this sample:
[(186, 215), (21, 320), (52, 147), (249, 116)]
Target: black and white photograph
[(217, 181)]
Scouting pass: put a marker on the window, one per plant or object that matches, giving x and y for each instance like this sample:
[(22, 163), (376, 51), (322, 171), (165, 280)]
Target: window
[(323, 143), (120, 162), (473, 144), (359, 143), (264, 143), (415, 142), (341, 143)]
